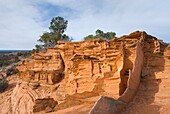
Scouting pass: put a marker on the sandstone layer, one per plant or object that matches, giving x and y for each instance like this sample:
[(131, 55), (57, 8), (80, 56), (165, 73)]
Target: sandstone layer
[(131, 72)]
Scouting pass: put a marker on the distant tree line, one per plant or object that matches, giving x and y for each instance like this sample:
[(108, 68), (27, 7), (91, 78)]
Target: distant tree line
[(6, 59)]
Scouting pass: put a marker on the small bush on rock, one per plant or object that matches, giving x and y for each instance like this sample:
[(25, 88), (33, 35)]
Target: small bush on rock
[(3, 84)]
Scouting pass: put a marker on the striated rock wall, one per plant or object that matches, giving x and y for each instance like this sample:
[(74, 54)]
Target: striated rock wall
[(107, 105), (74, 73), (21, 100), (154, 90), (88, 66), (43, 68)]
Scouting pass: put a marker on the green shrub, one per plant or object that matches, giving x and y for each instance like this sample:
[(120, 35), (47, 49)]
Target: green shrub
[(19, 54), (24, 54), (16, 59), (12, 70), (3, 84)]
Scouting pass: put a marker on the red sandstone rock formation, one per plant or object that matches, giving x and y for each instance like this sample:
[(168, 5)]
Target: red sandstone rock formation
[(76, 74), (110, 106)]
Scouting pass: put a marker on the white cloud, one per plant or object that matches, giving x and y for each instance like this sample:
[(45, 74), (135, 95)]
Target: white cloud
[(19, 27), (120, 16), (23, 21)]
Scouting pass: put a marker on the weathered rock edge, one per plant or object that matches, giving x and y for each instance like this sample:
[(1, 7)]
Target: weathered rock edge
[(106, 105)]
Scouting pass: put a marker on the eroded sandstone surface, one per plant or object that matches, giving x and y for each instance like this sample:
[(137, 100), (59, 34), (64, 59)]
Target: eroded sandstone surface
[(132, 71)]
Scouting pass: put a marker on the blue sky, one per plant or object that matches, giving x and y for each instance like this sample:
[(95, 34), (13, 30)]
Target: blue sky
[(23, 21)]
